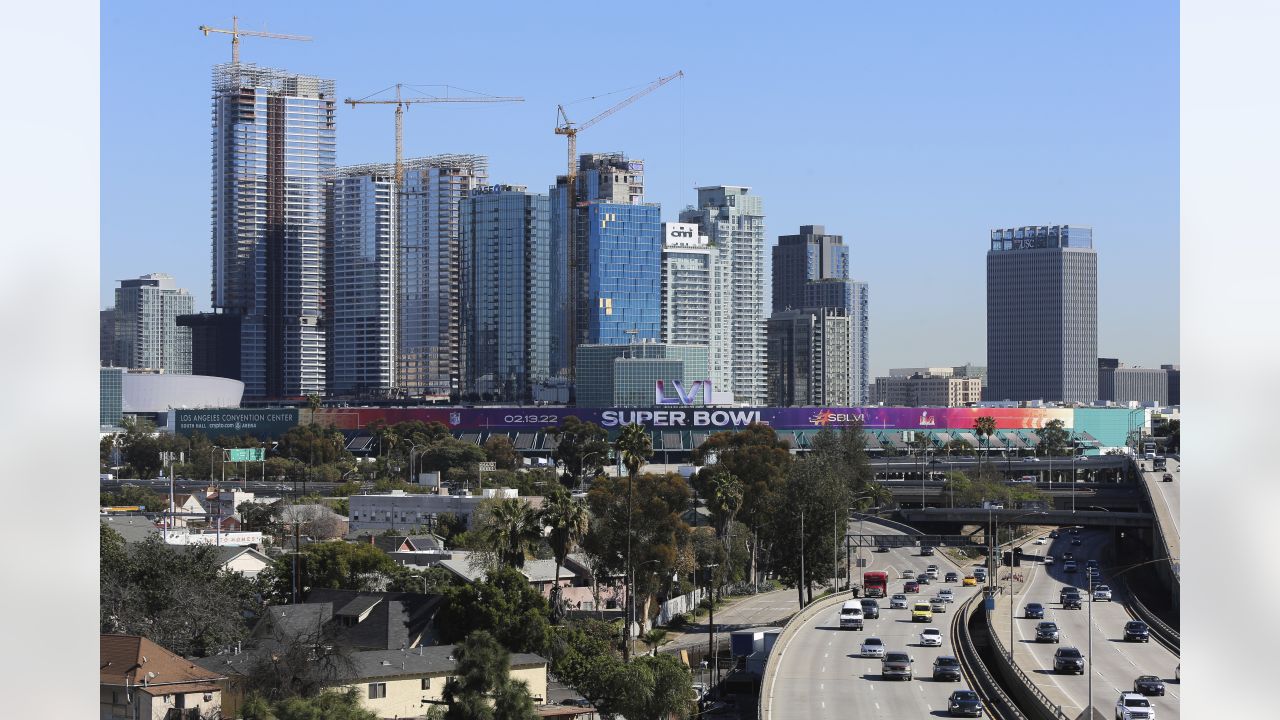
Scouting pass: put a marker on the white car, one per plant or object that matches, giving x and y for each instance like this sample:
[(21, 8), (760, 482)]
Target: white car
[(947, 595), (932, 571), (1039, 541), (931, 638), (898, 602), (1132, 706), (1102, 592), (872, 647), (1048, 559)]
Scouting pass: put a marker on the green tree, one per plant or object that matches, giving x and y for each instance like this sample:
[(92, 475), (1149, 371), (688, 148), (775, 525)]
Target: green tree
[(482, 688), (509, 528), (585, 656), (635, 446), (582, 448), (567, 521), (504, 604), (499, 450), (328, 705), (655, 688), (261, 517), (1054, 438), (128, 495), (338, 565), (985, 427), (313, 445), (813, 511), (140, 449)]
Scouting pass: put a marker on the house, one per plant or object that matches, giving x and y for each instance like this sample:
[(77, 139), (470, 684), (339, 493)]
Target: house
[(391, 683), (411, 550), (359, 620), (576, 581), (237, 558), (139, 679)]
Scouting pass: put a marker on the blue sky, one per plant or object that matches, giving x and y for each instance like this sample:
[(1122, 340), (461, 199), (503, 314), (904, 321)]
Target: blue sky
[(910, 128)]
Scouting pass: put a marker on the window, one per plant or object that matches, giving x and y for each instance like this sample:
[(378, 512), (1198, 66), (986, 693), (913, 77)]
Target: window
[(377, 691), (426, 683)]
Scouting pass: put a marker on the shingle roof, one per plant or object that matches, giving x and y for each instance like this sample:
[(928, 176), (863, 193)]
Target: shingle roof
[(371, 664), (137, 659), (545, 570), (394, 620)]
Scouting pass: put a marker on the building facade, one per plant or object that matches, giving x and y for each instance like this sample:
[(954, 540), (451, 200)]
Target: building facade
[(399, 510), (1175, 383), (808, 357), (1042, 314), (215, 343), (1122, 384), (623, 264), (505, 303), (690, 295), (273, 146), (110, 396), (927, 390), (616, 375), (107, 337), (733, 221), (147, 334)]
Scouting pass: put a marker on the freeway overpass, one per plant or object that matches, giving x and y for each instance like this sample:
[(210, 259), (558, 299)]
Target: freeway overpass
[(978, 516)]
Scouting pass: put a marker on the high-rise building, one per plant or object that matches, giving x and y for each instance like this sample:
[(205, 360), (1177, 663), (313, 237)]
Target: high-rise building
[(110, 396), (1042, 314), (147, 335), (107, 337), (507, 320), (733, 221), (811, 270), (273, 146), (393, 306), (215, 344), (1120, 383), (808, 357), (691, 298), (1175, 383)]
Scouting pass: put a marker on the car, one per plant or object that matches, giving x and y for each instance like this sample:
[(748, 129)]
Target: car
[(896, 664), (851, 615), (1136, 631), (1101, 592), (1091, 563), (1132, 706), (951, 577), (872, 647), (898, 602), (946, 667), (1071, 601), (1030, 458), (969, 581), (937, 604), (882, 548), (947, 595), (1065, 591), (909, 573), (931, 637), (911, 586), (870, 608), (932, 571), (926, 550), (1069, 566), (1068, 556), (1053, 534), (1040, 541), (1075, 531), (1076, 542), (1068, 659), (921, 612), (964, 703), (1048, 560), (1168, 477), (1148, 685), (1033, 611), (1047, 631)]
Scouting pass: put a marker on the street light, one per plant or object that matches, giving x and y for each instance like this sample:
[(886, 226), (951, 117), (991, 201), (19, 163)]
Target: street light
[(582, 466), (412, 449), (1012, 598)]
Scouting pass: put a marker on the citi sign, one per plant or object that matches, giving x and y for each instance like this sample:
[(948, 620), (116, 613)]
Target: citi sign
[(681, 397)]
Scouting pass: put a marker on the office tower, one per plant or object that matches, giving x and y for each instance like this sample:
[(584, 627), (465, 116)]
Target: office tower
[(110, 396), (273, 146), (627, 375), (507, 324), (1120, 383), (1042, 314), (107, 337), (733, 221), (812, 270), (808, 357), (215, 344), (147, 335), (393, 276), (690, 296), (1175, 383)]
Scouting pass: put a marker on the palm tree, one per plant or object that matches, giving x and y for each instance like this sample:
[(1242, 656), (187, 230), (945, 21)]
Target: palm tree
[(635, 447), (654, 638), (513, 528), (985, 427), (567, 520)]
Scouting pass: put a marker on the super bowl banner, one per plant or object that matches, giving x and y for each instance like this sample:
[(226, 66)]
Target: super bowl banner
[(700, 418)]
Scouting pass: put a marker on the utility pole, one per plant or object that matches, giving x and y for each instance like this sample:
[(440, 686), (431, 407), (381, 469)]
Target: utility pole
[(803, 582)]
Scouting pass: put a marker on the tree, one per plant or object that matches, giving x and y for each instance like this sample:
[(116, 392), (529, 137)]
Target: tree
[(129, 495), (566, 520), (985, 427), (339, 565), (635, 446), (504, 604), (655, 688), (802, 531), (313, 444), (300, 661), (508, 529), (582, 447), (328, 705), (261, 517), (1054, 438), (499, 450), (140, 449), (484, 672)]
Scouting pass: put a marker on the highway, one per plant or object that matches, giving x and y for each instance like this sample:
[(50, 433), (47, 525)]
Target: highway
[(820, 674), (1164, 498), (1114, 663)]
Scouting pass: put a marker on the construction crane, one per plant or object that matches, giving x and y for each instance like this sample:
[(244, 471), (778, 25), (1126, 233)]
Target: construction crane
[(400, 102), (235, 32), (566, 127)]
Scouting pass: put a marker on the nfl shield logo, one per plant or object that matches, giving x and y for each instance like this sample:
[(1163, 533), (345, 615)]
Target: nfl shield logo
[(455, 418)]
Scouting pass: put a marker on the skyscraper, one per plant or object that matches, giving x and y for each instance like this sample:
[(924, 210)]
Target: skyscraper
[(808, 357), (393, 276), (690, 295), (733, 221), (1042, 314), (507, 323), (273, 145), (811, 270), (147, 334), (107, 337)]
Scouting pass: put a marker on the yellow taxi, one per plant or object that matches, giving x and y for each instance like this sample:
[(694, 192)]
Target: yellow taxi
[(969, 581), (921, 612)]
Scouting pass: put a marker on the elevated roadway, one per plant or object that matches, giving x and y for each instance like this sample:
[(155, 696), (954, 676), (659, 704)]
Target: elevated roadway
[(1113, 662), (1164, 501)]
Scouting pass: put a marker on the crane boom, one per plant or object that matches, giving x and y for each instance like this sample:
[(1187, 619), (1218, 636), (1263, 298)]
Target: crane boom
[(235, 32)]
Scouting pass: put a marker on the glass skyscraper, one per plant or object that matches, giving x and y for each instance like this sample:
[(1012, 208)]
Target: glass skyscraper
[(273, 146), (505, 297), (146, 333), (623, 298), (1042, 314)]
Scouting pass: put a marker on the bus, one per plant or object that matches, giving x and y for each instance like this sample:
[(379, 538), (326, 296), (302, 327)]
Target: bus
[(875, 584)]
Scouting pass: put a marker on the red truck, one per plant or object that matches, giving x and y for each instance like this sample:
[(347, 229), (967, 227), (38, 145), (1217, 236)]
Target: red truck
[(875, 584)]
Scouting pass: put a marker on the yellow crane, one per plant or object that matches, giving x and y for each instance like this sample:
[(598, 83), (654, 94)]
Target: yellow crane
[(235, 32), (565, 127), (400, 102)]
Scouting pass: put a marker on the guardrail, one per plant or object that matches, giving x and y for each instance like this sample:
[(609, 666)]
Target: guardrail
[(1034, 701), (998, 704), (1163, 634), (891, 524), (770, 674)]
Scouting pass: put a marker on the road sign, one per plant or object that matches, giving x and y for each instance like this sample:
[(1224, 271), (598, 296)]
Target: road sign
[(245, 455), (488, 466)]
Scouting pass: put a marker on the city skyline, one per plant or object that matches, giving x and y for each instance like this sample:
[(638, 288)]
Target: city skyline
[(907, 176)]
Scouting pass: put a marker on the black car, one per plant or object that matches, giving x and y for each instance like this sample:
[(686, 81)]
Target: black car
[(1071, 601), (1075, 531), (882, 548), (946, 667), (1136, 631), (926, 550), (964, 703), (1034, 610), (951, 577), (1053, 534), (1148, 685), (1047, 632), (1076, 541), (1068, 556), (1065, 591), (1068, 660)]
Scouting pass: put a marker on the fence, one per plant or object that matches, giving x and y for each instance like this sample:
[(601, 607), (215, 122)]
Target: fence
[(1033, 700), (679, 605)]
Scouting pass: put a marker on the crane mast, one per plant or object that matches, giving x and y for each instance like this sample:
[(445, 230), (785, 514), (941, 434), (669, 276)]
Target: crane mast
[(236, 33)]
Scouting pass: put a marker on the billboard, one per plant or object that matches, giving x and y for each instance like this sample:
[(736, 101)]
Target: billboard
[(267, 423)]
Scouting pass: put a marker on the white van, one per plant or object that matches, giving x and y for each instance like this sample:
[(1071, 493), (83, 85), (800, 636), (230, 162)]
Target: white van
[(851, 615)]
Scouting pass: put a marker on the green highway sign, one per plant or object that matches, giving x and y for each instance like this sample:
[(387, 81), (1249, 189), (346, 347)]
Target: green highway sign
[(245, 455)]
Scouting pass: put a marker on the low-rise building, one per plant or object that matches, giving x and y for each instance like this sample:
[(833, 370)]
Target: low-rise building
[(399, 510), (941, 389), (141, 680)]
